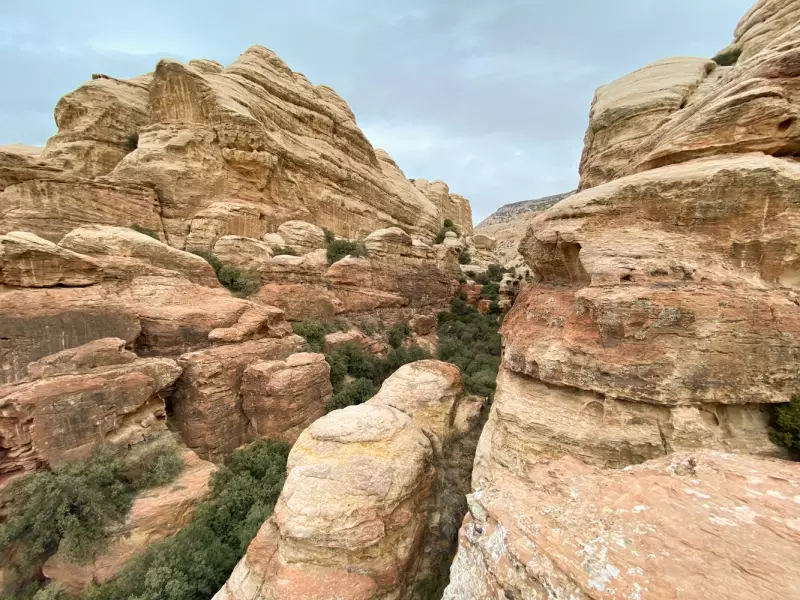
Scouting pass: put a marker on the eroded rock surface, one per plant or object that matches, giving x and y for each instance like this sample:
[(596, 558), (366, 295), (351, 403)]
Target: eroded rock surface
[(690, 525), (373, 485)]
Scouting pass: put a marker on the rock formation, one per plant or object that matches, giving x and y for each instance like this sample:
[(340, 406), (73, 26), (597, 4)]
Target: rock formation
[(664, 318), (689, 525), (508, 224), (391, 473), (198, 151), (452, 207)]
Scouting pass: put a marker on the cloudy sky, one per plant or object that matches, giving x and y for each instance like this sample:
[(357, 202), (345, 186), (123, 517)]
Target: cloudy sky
[(490, 96)]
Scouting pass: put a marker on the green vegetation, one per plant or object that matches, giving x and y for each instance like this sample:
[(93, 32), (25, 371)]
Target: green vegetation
[(132, 141), (495, 272), (728, 58), (786, 425), (470, 340), (464, 258), (491, 291), (356, 376), (397, 334), (194, 564), (240, 283), (314, 332), (70, 507), (145, 230), (283, 251), (447, 226), (330, 237), (338, 249)]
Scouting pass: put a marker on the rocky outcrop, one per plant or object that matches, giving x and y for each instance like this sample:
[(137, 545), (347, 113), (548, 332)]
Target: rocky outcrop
[(78, 400), (156, 514), (670, 528), (507, 226), (281, 398), (626, 112), (302, 237), (27, 260), (452, 207), (764, 23), (375, 486), (208, 403)]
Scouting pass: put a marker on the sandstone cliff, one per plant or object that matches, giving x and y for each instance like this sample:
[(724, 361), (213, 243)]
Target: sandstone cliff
[(664, 318)]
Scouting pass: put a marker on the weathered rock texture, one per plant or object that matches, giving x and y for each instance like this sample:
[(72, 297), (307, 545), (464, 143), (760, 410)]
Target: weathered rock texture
[(370, 492), (765, 22), (156, 514), (452, 207), (84, 397), (691, 525), (195, 153), (508, 224)]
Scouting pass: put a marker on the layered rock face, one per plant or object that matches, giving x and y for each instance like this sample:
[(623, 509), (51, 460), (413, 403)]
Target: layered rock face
[(78, 400), (664, 318), (374, 486), (397, 273), (765, 22), (452, 207), (198, 151), (704, 525)]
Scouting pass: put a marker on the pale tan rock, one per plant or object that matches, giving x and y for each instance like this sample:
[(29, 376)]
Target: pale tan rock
[(452, 207), (674, 527), (627, 111), (764, 23), (338, 339), (256, 321), (53, 207), (225, 219), (242, 253), (273, 240), (372, 486), (19, 162), (281, 398), (81, 359), (383, 242), (155, 515), (27, 260), (301, 236), (113, 246), (484, 242), (98, 124), (207, 402), (65, 415)]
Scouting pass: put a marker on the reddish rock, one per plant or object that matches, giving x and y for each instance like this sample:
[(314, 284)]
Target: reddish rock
[(472, 292), (281, 398)]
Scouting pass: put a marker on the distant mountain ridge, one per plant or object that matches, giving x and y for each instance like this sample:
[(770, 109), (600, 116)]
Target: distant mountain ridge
[(511, 211)]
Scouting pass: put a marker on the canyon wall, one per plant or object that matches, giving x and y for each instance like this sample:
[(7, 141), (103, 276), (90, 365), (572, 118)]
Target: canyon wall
[(663, 321)]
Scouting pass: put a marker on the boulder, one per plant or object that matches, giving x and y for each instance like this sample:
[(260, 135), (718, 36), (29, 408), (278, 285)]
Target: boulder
[(689, 525), (242, 253), (273, 240), (338, 339), (82, 400), (281, 398), (126, 253), (369, 485), (383, 242), (156, 514), (302, 237), (484, 242), (26, 260)]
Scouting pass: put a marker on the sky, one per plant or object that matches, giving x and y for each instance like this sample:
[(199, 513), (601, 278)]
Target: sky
[(492, 97)]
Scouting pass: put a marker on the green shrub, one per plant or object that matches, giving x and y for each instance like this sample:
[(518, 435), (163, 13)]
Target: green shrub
[(195, 563), (495, 272), (728, 58), (314, 332), (338, 249), (355, 392), (145, 231), (240, 283), (397, 334), (491, 291), (464, 258), (786, 425), (330, 237), (70, 507), (481, 278), (470, 340), (132, 141), (448, 225), (284, 251)]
